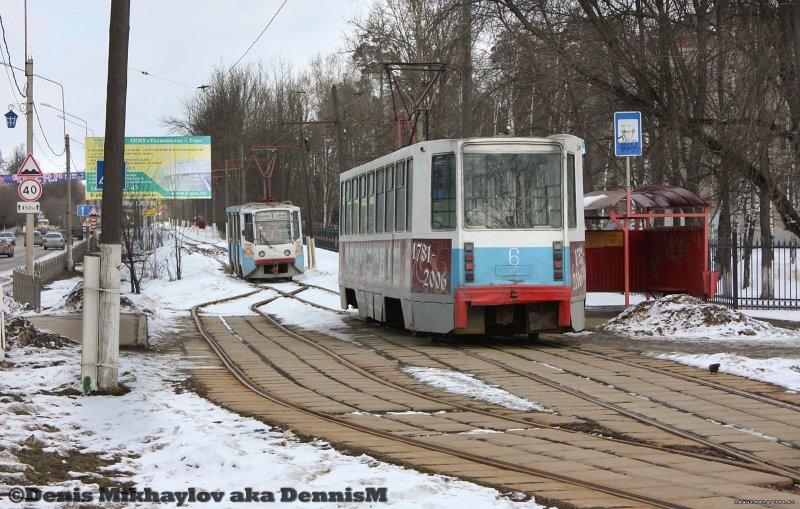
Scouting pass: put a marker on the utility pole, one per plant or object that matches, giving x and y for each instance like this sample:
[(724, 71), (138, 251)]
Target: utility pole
[(339, 130), (69, 206), (113, 155), (29, 141), (243, 174), (310, 223), (466, 73)]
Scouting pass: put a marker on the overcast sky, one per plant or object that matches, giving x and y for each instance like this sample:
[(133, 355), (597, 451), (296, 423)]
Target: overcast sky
[(178, 40)]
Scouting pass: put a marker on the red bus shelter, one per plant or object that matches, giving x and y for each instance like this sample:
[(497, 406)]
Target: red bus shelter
[(667, 237)]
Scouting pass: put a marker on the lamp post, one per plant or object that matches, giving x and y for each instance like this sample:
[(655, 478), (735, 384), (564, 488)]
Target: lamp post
[(85, 124), (63, 116), (29, 74)]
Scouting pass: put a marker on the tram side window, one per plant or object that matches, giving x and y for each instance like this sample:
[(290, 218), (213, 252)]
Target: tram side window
[(362, 222), (573, 216), (295, 225), (248, 228), (354, 206), (400, 196), (342, 203), (390, 198), (379, 220), (409, 189), (443, 192), (371, 202)]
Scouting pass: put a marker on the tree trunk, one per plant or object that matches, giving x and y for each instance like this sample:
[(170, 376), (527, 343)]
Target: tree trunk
[(765, 220)]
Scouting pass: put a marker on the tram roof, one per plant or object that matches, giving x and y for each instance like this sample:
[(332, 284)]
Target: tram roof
[(436, 144)]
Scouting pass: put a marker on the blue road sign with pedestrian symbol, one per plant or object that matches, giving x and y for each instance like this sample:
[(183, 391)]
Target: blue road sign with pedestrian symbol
[(627, 133), (100, 174)]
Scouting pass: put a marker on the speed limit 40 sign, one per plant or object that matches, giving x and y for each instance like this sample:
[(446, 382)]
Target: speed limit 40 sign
[(29, 190)]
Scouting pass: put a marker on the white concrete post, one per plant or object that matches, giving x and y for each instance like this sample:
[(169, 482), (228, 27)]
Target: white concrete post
[(107, 367), (91, 308), (2, 325)]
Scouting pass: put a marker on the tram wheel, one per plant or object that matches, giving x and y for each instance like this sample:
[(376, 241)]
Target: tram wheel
[(533, 336)]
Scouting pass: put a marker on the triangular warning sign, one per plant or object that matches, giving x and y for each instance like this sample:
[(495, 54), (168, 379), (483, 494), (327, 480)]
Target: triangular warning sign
[(30, 168), (94, 211)]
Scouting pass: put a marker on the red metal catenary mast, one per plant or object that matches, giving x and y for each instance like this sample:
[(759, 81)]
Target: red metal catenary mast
[(265, 157), (407, 110)]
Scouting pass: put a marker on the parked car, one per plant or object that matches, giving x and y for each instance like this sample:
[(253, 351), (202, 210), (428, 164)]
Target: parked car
[(6, 247), (37, 238), (54, 240), (10, 236)]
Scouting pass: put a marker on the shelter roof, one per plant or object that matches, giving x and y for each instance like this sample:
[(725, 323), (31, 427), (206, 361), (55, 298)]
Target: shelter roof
[(648, 197)]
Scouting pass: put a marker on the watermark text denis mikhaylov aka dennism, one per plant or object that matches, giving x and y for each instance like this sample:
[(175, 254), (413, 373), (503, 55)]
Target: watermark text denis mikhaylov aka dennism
[(194, 495)]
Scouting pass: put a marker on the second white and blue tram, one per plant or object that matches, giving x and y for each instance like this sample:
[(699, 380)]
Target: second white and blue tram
[(467, 236), (265, 240)]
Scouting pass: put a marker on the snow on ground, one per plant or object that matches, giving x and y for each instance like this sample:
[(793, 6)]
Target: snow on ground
[(171, 439), (783, 372), (168, 439), (682, 319), (471, 387)]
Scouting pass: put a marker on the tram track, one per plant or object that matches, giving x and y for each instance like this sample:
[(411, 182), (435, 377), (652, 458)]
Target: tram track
[(740, 455), (412, 441), (246, 380)]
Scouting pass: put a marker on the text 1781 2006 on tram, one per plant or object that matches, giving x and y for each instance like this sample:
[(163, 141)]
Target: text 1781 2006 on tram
[(265, 240), (467, 236)]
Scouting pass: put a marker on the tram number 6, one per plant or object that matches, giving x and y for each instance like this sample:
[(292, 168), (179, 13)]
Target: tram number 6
[(513, 256)]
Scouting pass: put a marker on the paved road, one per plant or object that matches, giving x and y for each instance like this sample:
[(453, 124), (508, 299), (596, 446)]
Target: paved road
[(8, 264)]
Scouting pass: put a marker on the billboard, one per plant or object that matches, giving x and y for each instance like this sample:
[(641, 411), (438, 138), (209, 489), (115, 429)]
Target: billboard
[(155, 167)]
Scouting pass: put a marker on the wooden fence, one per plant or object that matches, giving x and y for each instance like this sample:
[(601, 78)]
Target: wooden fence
[(27, 288)]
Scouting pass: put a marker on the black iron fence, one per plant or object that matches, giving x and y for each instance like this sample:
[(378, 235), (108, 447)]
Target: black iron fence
[(756, 276), (326, 236)]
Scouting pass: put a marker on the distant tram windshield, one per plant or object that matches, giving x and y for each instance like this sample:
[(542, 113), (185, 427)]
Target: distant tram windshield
[(512, 190), (273, 227)]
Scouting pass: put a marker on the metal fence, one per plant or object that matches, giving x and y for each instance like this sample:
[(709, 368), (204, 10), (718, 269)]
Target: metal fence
[(757, 276), (327, 237), (27, 288)]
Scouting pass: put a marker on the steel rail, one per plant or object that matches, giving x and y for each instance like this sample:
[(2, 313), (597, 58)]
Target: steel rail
[(504, 465)]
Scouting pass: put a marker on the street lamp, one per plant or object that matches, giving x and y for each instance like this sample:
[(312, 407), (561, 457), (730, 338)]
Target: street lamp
[(11, 117), (63, 113)]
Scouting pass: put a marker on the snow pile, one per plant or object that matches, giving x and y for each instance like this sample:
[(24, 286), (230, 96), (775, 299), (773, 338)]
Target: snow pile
[(684, 316)]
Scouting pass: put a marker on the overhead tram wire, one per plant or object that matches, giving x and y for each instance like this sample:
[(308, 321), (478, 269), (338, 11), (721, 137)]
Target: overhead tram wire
[(146, 73), (205, 87), (259, 35)]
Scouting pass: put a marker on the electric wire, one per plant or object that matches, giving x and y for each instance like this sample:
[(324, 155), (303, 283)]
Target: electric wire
[(5, 44), (205, 87), (146, 73), (42, 152), (39, 121), (259, 35)]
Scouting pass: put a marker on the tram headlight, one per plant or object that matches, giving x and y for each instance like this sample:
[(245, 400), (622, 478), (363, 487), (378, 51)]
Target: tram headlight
[(287, 252), (261, 254)]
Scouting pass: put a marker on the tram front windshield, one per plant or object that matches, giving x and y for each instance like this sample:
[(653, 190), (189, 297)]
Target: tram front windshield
[(273, 227), (504, 191)]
